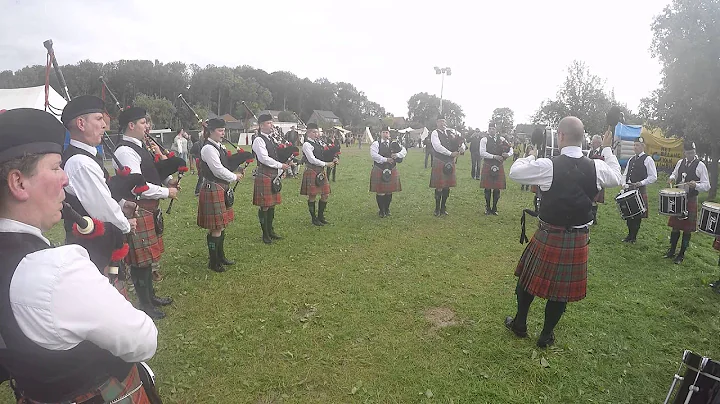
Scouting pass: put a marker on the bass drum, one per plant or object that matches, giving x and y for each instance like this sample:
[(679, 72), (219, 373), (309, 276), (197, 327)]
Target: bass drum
[(700, 383)]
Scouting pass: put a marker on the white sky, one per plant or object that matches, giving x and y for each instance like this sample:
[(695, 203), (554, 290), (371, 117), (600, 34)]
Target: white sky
[(502, 54)]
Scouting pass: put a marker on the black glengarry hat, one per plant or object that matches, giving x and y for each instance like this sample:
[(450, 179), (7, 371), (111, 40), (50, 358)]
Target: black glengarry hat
[(131, 114), (85, 104), (215, 123), (264, 118), (29, 131)]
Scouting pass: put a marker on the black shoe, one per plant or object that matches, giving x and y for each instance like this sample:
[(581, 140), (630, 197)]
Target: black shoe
[(273, 236), (161, 301), (488, 211), (715, 284), (669, 254), (546, 340), (444, 212), (322, 220), (627, 239), (436, 213), (153, 313), (679, 259), (266, 238), (317, 222), (494, 212), (518, 331)]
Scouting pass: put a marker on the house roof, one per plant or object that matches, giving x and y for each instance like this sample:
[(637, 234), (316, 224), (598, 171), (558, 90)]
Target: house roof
[(325, 114), (228, 118), (272, 112)]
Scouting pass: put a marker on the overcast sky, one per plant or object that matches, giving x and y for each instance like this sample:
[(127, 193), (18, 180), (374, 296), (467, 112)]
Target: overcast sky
[(502, 54)]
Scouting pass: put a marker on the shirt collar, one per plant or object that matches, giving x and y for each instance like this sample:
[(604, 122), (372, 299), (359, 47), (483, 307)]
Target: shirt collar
[(80, 145), (213, 142), (133, 140), (12, 226), (572, 151), (639, 155)]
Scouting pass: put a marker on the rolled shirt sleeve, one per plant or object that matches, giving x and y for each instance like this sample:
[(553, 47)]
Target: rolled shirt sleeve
[(211, 156)]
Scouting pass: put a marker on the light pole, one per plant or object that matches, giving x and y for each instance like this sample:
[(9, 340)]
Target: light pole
[(442, 71)]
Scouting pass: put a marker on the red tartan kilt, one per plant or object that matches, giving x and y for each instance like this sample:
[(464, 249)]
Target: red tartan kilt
[(212, 213), (308, 186), (438, 179), (716, 244), (554, 266), (644, 197), (486, 180), (146, 246), (111, 390), (377, 185), (600, 197), (262, 191), (689, 224)]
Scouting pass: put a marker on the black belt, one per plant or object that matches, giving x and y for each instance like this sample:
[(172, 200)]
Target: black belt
[(549, 228), (384, 166)]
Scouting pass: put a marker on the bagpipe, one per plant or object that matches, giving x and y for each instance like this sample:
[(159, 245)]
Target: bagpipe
[(396, 146), (123, 183), (104, 242), (286, 154)]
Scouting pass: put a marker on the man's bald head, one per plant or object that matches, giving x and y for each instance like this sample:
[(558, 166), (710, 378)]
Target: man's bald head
[(572, 130)]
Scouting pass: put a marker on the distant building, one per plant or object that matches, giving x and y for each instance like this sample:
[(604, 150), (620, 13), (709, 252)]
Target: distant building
[(324, 119), (272, 113)]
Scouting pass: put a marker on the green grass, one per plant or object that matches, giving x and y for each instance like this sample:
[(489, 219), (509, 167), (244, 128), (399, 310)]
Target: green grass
[(337, 314)]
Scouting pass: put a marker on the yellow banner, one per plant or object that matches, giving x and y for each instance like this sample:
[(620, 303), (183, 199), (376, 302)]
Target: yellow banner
[(665, 151)]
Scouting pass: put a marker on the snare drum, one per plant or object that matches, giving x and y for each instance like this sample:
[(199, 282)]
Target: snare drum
[(630, 204), (710, 218), (673, 202), (700, 383)]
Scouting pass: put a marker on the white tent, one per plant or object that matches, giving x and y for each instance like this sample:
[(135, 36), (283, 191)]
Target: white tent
[(367, 137), (30, 97)]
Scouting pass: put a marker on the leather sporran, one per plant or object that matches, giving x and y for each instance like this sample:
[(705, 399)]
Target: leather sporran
[(159, 222), (448, 168), (494, 171), (320, 179), (229, 198), (276, 185), (386, 175)]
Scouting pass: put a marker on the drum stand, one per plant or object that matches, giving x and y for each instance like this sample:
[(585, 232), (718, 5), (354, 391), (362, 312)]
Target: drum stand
[(692, 388)]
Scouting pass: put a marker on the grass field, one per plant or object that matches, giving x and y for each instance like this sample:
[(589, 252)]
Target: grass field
[(410, 308)]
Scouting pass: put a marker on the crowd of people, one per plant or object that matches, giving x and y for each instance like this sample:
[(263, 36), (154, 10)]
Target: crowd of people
[(69, 331)]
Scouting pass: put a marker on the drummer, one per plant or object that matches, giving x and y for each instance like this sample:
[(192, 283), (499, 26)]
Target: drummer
[(640, 172), (596, 153), (694, 175)]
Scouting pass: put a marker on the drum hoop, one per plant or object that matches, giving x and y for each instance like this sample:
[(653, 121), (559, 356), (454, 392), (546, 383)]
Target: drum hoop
[(709, 206)]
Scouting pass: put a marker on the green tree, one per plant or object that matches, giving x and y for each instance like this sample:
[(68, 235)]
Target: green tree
[(686, 40), (286, 116), (503, 119), (161, 110), (423, 111)]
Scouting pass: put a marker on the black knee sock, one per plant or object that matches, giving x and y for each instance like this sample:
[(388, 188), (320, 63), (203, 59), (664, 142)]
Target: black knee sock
[(438, 196), (685, 242), (488, 194), (524, 299), (553, 311), (496, 197), (674, 237), (388, 199), (445, 195), (379, 200), (638, 222), (311, 208)]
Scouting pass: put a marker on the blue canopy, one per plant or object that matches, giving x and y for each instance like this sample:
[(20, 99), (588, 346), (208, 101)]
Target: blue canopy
[(628, 132)]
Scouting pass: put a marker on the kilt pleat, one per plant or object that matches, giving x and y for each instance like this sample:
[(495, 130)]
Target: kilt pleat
[(308, 185), (689, 224), (212, 213), (438, 179), (486, 178), (377, 185), (554, 265), (262, 189), (114, 389), (146, 246)]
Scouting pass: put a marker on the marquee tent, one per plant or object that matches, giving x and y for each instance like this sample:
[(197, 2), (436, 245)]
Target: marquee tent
[(30, 97)]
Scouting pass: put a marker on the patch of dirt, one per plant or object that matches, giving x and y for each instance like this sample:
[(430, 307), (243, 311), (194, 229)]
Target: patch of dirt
[(441, 317)]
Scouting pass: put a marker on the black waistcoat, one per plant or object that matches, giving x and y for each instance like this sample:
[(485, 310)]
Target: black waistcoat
[(384, 150), (447, 142), (270, 145), (72, 200), (568, 202), (494, 147), (42, 374), (207, 172), (690, 171), (637, 170), (317, 151)]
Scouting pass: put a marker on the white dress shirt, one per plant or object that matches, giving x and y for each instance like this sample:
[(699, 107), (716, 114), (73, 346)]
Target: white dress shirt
[(261, 153), (60, 299), (86, 182), (483, 149), (181, 144), (531, 171), (211, 156), (375, 152), (129, 158), (649, 165), (309, 152), (435, 140), (701, 171)]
